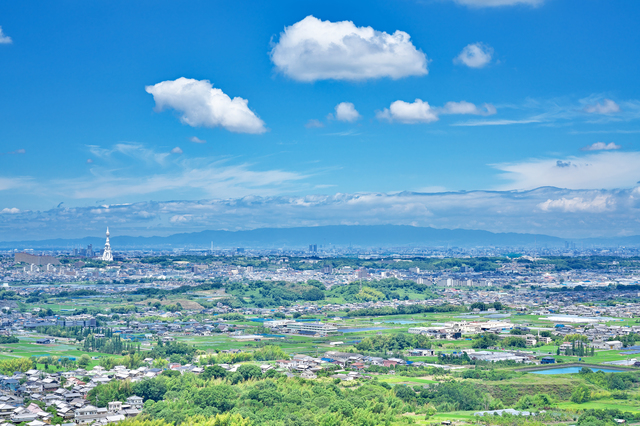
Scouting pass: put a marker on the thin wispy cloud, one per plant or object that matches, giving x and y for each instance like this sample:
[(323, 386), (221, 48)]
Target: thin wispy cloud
[(607, 106), (129, 171), (350, 132), (495, 122), (603, 169), (314, 124), (594, 109), (16, 152), (498, 3)]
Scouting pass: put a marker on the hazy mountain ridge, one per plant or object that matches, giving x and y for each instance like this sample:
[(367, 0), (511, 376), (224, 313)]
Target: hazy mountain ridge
[(327, 236)]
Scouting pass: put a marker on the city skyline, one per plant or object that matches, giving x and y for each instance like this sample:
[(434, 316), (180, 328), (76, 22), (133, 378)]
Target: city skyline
[(506, 116)]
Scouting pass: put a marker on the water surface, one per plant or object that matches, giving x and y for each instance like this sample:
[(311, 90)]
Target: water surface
[(571, 370)]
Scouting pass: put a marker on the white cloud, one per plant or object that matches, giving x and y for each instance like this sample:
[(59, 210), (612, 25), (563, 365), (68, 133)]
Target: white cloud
[(196, 139), (181, 218), (4, 39), (606, 107), (176, 150), (14, 183), (598, 204), (12, 210), (16, 152), (475, 55), (128, 151), (605, 169), (200, 104), (601, 146), (410, 113), (131, 170), (421, 112), (495, 122), (314, 124), (89, 161), (313, 49), (498, 3), (551, 211), (345, 111), (464, 107)]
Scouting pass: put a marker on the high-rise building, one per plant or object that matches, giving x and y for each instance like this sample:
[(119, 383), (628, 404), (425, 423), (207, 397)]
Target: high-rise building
[(107, 256)]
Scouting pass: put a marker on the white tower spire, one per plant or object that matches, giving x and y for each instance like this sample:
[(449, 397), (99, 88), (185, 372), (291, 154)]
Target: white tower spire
[(107, 256)]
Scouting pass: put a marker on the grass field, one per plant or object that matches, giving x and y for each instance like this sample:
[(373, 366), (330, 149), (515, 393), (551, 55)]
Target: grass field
[(394, 380), (622, 405), (28, 348)]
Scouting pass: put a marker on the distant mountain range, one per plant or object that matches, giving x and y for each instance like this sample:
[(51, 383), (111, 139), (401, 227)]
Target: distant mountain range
[(327, 236)]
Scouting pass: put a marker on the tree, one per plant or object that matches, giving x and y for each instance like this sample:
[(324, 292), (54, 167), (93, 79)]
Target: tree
[(515, 342), (313, 294), (222, 397), (405, 393), (581, 394), (214, 371), (84, 360), (483, 341), (249, 371), (153, 389)]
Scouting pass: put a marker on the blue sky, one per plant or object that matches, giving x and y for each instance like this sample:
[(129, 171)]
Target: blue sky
[(101, 103)]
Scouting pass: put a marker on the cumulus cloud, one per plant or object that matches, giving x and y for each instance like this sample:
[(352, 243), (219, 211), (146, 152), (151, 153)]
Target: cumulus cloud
[(4, 39), (176, 150), (345, 111), (410, 113), (597, 204), (196, 139), (601, 146), (181, 218), (313, 49), (464, 107), (421, 112), (606, 107), (604, 169), (498, 3), (475, 55), (314, 124), (200, 104), (12, 210)]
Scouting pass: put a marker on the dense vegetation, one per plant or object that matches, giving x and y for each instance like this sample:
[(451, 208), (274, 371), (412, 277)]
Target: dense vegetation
[(271, 400), (393, 342), (406, 310)]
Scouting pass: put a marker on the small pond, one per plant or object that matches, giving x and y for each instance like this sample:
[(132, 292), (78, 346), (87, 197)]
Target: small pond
[(356, 330), (571, 370)]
